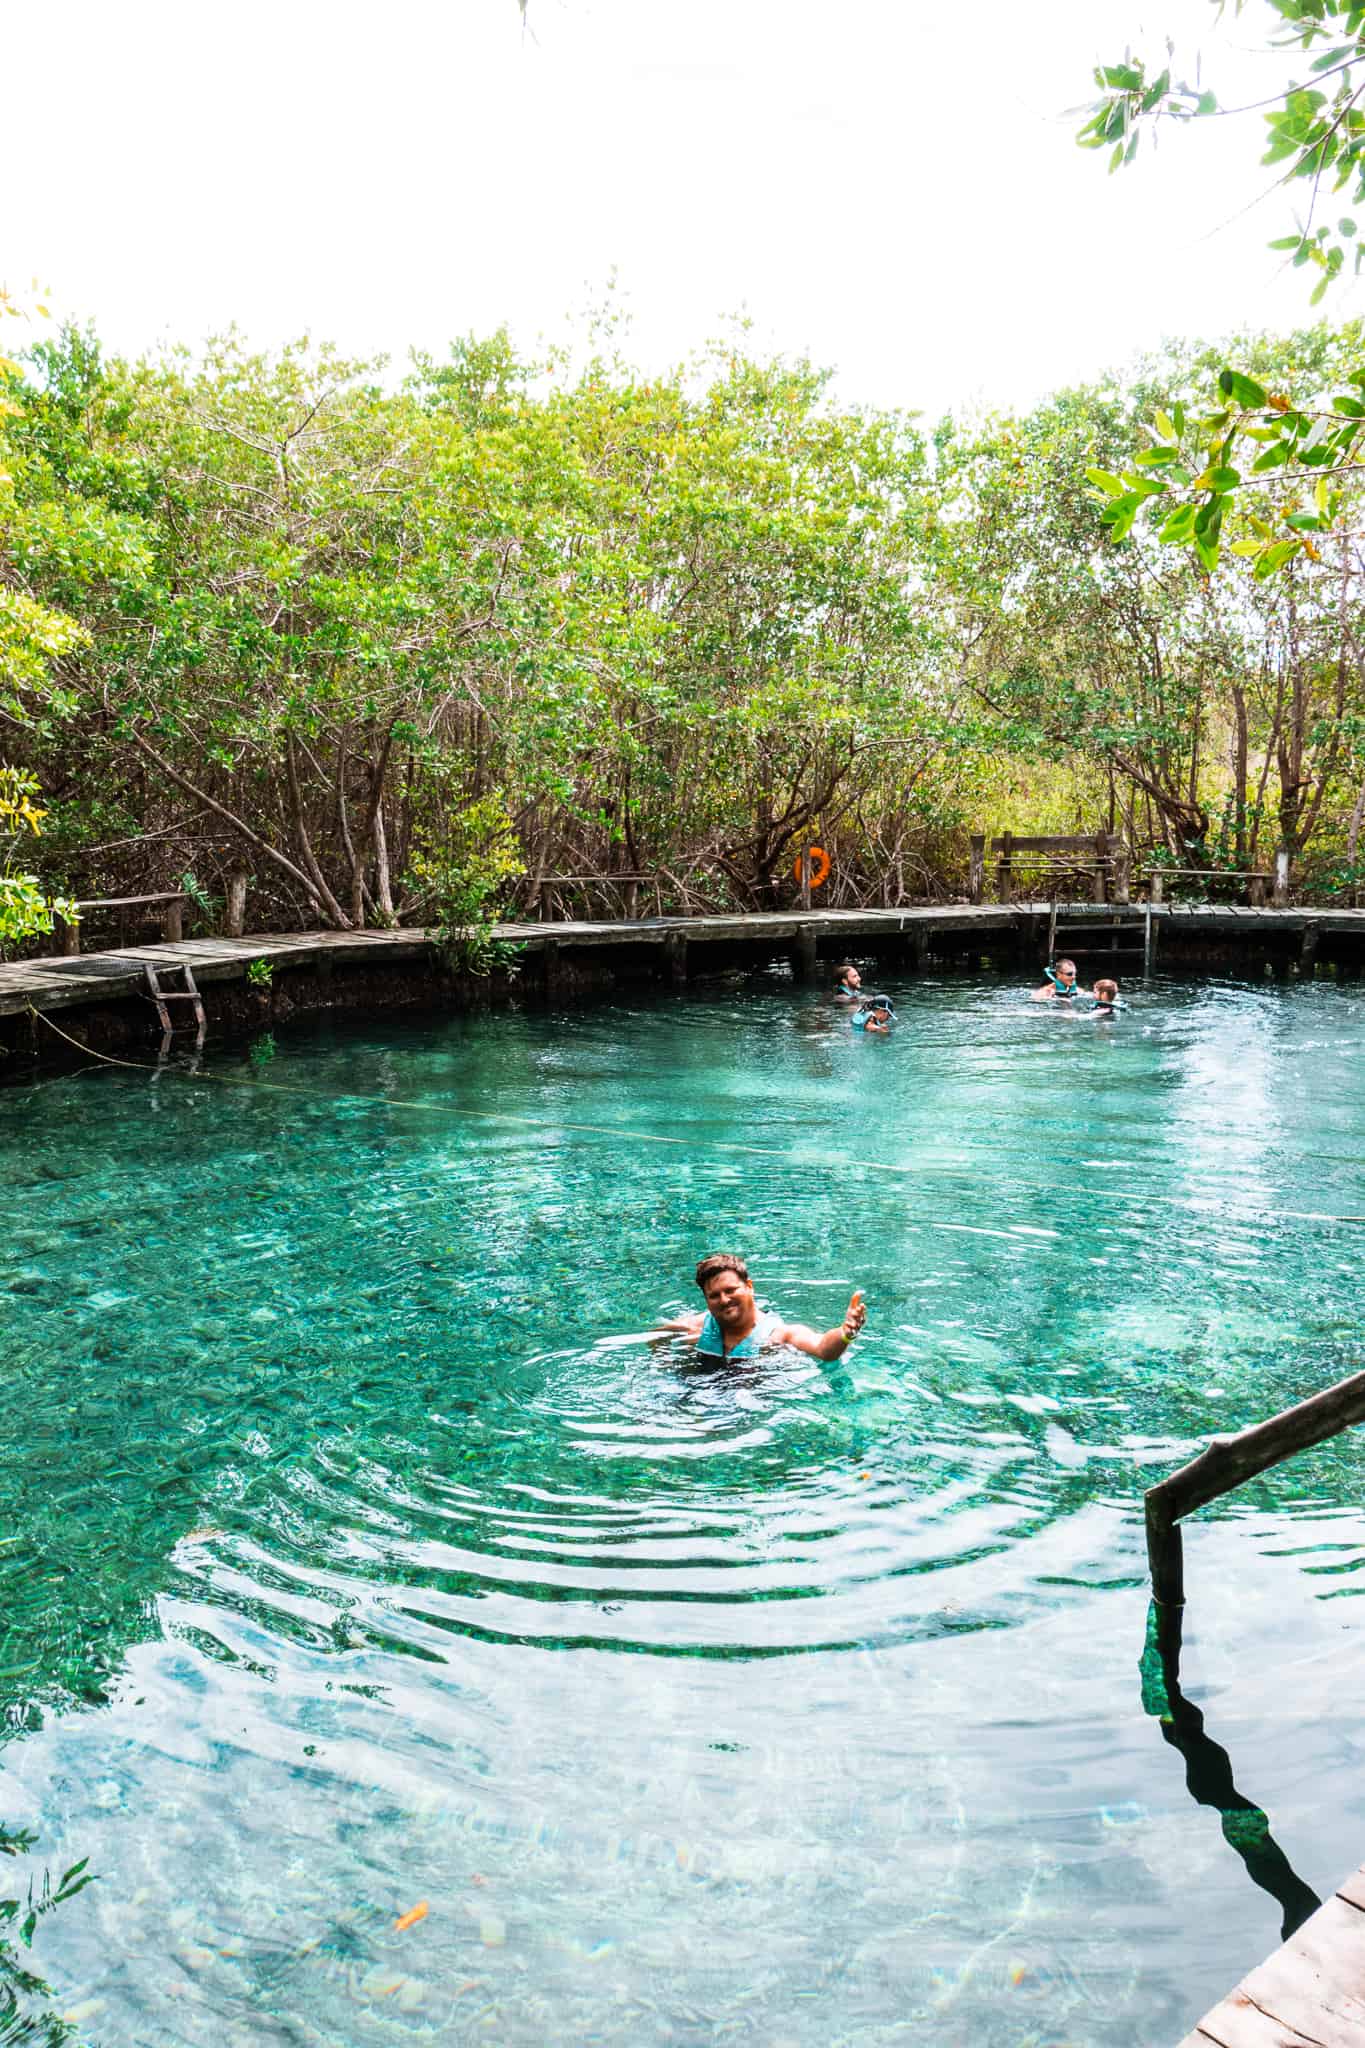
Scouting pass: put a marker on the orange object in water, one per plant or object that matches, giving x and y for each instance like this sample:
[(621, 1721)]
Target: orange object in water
[(818, 865), (411, 1917)]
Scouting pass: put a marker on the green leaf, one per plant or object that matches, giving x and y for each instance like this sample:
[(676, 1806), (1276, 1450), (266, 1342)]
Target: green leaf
[(1107, 481), (1244, 391), (1273, 458), (1352, 407), (1275, 558), (1225, 479), (1178, 525)]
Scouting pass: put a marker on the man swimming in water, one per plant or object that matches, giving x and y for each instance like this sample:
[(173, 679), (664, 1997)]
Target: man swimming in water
[(1060, 986), (735, 1327), (849, 986)]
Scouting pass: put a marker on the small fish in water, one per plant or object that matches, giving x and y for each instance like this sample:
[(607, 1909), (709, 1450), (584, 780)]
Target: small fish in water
[(411, 1917)]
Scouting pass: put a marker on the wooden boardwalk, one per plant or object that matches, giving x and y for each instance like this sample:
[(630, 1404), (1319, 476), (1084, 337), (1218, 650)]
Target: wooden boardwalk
[(59, 983), (1309, 1994)]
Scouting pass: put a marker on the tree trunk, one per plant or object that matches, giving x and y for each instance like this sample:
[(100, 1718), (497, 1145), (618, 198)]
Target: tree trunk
[(383, 887), (1239, 775)]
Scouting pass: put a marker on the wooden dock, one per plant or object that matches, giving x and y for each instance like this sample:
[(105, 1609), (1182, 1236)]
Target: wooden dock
[(1309, 1994), (1296, 937)]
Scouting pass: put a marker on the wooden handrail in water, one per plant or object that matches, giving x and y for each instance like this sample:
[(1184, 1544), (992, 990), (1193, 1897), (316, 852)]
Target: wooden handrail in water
[(1227, 1462)]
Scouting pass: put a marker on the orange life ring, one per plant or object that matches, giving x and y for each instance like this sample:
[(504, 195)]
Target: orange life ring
[(819, 865)]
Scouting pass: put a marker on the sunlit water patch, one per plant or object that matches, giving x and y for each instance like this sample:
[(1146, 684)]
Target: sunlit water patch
[(358, 1551)]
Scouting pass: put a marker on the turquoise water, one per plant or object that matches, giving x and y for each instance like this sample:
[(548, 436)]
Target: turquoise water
[(356, 1550)]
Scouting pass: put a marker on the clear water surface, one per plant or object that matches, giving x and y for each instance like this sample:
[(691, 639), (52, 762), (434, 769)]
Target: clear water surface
[(357, 1551)]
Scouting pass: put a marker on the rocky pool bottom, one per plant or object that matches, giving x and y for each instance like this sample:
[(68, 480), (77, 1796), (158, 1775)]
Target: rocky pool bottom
[(358, 1552)]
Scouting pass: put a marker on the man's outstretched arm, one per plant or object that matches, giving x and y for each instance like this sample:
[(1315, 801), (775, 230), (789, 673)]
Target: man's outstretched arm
[(834, 1343), (676, 1326)]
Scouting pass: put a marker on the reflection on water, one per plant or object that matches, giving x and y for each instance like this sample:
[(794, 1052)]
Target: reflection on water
[(1208, 1772), (358, 1550)]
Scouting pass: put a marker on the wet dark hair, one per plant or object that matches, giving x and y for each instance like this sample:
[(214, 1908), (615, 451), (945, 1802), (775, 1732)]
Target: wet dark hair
[(1106, 990), (721, 1262)]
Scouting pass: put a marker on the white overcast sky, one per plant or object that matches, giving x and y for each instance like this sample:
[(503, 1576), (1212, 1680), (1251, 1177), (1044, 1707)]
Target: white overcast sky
[(889, 185)]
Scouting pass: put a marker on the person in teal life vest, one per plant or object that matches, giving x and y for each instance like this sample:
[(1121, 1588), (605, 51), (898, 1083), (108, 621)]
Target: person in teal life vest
[(1060, 986), (734, 1328), (877, 1015), (849, 987)]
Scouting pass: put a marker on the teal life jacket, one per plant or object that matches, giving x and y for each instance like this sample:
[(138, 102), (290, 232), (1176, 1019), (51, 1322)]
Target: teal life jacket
[(711, 1342)]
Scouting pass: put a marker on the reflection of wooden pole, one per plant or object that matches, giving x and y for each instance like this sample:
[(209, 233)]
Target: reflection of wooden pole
[(1229, 1461)]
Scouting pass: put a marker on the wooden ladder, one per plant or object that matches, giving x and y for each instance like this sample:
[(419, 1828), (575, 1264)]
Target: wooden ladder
[(162, 996), (1090, 922)]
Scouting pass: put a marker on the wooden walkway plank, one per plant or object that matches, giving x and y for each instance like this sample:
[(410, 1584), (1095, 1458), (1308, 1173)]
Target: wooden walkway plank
[(1309, 1994), (57, 981)]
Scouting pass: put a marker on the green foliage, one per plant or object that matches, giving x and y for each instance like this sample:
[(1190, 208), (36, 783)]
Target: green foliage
[(462, 878), (25, 911), (1315, 124), (259, 974), (437, 652)]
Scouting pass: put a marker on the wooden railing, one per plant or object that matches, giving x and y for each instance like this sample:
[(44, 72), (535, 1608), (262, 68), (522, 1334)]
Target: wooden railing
[(1228, 1462), (1100, 861), (172, 902), (1254, 882)]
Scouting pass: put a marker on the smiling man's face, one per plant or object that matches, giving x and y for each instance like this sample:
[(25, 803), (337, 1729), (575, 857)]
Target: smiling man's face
[(730, 1300)]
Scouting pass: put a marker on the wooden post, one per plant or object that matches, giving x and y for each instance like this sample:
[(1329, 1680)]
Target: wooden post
[(1165, 1555), (976, 878), (1156, 885), (1230, 1460), (675, 957), (805, 957), (1256, 892), (70, 935), (805, 879), (632, 898), (1123, 870), (1099, 889), (1280, 892), (173, 923), (234, 916), (1005, 870)]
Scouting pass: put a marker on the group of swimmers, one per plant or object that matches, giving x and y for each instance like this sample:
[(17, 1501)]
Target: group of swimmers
[(872, 1013), (1061, 987), (878, 1013)]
